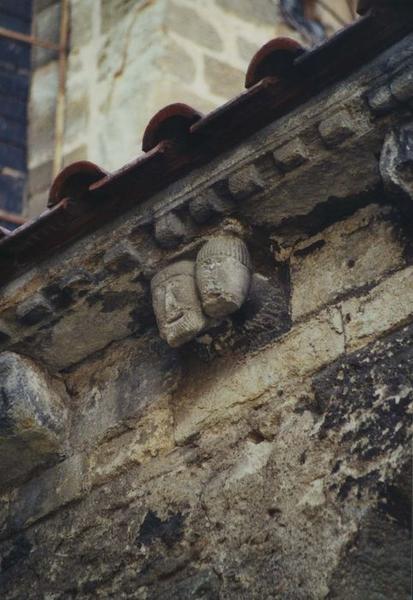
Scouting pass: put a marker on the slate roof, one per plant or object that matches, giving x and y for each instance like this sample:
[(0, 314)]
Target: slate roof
[(280, 77)]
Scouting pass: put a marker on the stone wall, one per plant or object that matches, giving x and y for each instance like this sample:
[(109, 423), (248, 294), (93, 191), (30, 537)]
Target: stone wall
[(270, 456), (128, 59)]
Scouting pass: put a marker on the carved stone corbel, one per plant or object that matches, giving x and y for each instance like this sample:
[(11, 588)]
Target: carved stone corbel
[(188, 296)]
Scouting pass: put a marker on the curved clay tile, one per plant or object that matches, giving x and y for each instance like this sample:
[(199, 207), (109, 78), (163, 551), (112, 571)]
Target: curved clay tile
[(74, 181), (171, 123), (275, 58)]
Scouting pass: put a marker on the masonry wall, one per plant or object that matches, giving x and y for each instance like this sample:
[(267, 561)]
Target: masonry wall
[(128, 59), (279, 471), (270, 457)]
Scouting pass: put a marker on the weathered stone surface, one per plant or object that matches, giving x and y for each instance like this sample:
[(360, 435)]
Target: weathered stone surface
[(402, 86), (346, 256), (368, 316), (223, 275), (263, 11), (34, 310), (176, 303), (291, 155), (46, 26), (336, 129), (396, 165), (245, 183), (33, 418), (222, 79), (208, 204), (190, 24), (170, 230)]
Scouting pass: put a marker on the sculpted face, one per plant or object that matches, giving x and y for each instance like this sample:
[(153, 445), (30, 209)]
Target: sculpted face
[(176, 303), (223, 274)]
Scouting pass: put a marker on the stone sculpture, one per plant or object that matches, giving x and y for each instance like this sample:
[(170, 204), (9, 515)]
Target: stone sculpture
[(223, 275), (176, 303), (187, 296)]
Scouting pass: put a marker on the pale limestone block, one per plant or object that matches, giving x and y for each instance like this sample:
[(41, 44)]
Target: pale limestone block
[(345, 256), (386, 307), (303, 350)]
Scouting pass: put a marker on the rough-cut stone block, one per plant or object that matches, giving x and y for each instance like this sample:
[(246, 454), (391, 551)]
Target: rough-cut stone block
[(222, 79), (44, 494), (46, 27), (33, 417), (121, 258), (170, 230), (402, 86), (33, 310), (386, 307), (245, 183), (207, 204), (291, 155), (304, 349), (336, 129), (381, 100), (346, 256), (264, 11), (190, 24)]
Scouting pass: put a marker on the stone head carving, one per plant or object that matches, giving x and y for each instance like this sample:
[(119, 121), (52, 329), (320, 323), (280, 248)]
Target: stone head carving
[(223, 274), (176, 303)]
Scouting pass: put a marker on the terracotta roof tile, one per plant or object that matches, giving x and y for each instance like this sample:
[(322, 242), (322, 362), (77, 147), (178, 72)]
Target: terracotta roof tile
[(281, 77)]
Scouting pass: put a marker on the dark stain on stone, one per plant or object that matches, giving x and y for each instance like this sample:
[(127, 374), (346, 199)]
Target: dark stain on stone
[(378, 381), (112, 301), (153, 528), (20, 550), (58, 297), (310, 249)]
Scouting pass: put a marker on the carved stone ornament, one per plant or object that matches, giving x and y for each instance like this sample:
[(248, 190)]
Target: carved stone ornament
[(176, 303), (187, 294), (223, 275)]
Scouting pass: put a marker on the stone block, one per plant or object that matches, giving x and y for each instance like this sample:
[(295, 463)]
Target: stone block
[(291, 155), (369, 316), (188, 23), (381, 100), (46, 26), (40, 178), (77, 115), (336, 129), (33, 310), (245, 183), (222, 79), (260, 11), (246, 49), (175, 60), (121, 258), (402, 86), (33, 418), (81, 24), (113, 11), (344, 257), (44, 494), (80, 153), (302, 350), (209, 203), (42, 113), (170, 230)]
